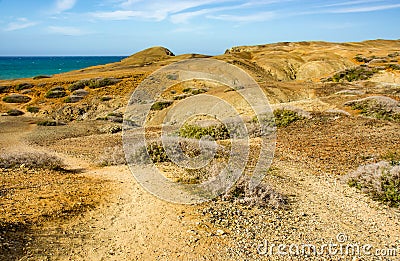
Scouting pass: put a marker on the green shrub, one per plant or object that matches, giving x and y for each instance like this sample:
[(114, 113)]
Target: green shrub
[(285, 117), (15, 112), (23, 86), (160, 105), (218, 132), (16, 98), (32, 109)]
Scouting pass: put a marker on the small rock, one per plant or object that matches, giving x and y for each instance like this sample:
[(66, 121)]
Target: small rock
[(219, 232)]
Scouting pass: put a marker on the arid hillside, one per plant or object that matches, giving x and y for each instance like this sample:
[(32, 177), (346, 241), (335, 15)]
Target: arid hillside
[(67, 193)]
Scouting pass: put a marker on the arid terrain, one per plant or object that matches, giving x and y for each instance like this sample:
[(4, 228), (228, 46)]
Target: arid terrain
[(66, 192)]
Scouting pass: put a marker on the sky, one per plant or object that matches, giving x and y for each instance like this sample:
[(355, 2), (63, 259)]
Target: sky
[(123, 27)]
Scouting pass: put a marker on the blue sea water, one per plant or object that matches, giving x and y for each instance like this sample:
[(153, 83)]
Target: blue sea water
[(25, 67)]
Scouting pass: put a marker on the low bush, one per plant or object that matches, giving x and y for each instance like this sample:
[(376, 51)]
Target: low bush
[(56, 92), (78, 85), (160, 105), (50, 123), (105, 98), (38, 77), (218, 132), (16, 98), (15, 112), (102, 82), (394, 67), (31, 160), (380, 180), (4, 89), (32, 109), (284, 117), (23, 86), (73, 99)]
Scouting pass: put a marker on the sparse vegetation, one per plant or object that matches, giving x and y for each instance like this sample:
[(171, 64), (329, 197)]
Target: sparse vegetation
[(392, 66), (16, 98), (15, 112), (194, 91), (354, 74), (361, 59), (379, 107), (93, 83), (56, 92), (31, 160), (380, 180), (160, 105)]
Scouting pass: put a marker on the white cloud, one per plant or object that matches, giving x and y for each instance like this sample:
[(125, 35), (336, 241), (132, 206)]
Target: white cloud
[(257, 17), (157, 10), (21, 23), (66, 30), (366, 8), (356, 2), (125, 15), (63, 5)]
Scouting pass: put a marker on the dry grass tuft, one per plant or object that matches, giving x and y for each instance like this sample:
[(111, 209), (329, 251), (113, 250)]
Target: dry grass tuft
[(262, 195), (31, 160), (379, 180)]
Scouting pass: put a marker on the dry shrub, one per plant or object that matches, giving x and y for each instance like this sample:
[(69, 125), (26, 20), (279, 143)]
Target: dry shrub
[(379, 180), (31, 160), (380, 107), (262, 195)]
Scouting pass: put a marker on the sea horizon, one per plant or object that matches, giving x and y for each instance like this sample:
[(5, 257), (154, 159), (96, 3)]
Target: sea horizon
[(17, 67)]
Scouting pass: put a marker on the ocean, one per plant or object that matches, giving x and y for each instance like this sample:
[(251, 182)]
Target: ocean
[(29, 66)]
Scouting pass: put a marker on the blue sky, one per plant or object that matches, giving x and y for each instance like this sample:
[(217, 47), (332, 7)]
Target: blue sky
[(122, 27)]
